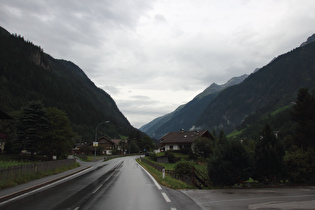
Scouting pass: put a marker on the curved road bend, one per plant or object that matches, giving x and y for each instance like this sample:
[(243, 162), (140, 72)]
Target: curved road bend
[(121, 184)]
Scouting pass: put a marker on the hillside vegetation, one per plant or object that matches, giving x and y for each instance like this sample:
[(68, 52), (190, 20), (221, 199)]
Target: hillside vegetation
[(28, 74)]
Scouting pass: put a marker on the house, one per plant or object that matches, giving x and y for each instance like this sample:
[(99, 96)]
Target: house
[(120, 145), (182, 139), (77, 148), (106, 145)]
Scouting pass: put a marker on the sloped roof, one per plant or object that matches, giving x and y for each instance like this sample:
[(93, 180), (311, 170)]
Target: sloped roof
[(104, 140), (184, 136), (117, 141)]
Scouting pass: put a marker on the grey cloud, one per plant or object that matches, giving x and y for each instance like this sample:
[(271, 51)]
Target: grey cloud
[(160, 18), (110, 89), (126, 47)]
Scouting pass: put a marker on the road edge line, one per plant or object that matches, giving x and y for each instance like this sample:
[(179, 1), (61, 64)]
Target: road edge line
[(153, 179)]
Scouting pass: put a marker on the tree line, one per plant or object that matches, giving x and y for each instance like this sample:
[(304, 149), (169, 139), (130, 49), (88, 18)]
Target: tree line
[(39, 130), (48, 132)]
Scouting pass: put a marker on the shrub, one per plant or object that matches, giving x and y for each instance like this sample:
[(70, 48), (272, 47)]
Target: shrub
[(183, 167), (300, 165), (170, 156), (185, 150), (116, 152), (229, 164), (152, 156)]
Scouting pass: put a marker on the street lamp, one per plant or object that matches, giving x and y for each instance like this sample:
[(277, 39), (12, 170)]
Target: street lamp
[(95, 144)]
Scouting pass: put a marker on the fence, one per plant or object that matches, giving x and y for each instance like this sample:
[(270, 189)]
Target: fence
[(196, 179), (41, 167)]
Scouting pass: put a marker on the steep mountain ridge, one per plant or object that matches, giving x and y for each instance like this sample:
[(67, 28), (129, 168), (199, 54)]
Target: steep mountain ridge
[(309, 40), (185, 115), (27, 73), (273, 86), (214, 88)]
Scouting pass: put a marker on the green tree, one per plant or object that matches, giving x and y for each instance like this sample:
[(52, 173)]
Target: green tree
[(300, 159), (203, 147), (59, 137), (183, 167), (304, 115), (229, 164), (268, 158), (300, 166), (31, 128), (170, 156), (134, 148)]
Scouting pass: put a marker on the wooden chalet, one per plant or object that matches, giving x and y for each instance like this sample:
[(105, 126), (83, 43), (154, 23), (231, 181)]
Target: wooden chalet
[(182, 139), (120, 144), (107, 145)]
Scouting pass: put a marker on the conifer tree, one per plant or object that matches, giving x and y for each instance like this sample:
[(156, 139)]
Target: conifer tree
[(59, 137), (304, 115), (229, 164), (268, 158), (31, 127)]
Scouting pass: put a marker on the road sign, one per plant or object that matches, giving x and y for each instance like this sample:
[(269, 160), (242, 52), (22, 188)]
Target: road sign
[(95, 144)]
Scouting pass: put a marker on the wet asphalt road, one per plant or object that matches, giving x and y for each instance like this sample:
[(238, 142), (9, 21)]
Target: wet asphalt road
[(119, 184), (130, 188), (122, 184)]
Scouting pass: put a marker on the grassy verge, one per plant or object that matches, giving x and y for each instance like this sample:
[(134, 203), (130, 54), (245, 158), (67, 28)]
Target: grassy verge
[(167, 181), (13, 181), (91, 158), (8, 163)]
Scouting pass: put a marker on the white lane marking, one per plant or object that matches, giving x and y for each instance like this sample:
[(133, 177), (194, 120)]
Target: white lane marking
[(167, 199), (155, 182), (173, 209), (76, 208), (97, 189), (46, 186)]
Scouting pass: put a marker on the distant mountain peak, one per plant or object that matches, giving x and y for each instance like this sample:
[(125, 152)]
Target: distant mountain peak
[(235, 81), (213, 88), (309, 40)]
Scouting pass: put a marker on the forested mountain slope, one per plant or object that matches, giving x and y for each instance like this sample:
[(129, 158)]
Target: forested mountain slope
[(27, 73), (185, 115), (273, 86)]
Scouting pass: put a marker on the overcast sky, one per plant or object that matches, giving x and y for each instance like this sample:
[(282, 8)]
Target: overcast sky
[(153, 55)]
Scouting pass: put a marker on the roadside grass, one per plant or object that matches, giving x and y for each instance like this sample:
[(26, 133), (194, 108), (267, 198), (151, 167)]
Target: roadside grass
[(12, 181), (14, 160), (167, 181), (91, 158), (201, 167), (176, 154), (9, 163)]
